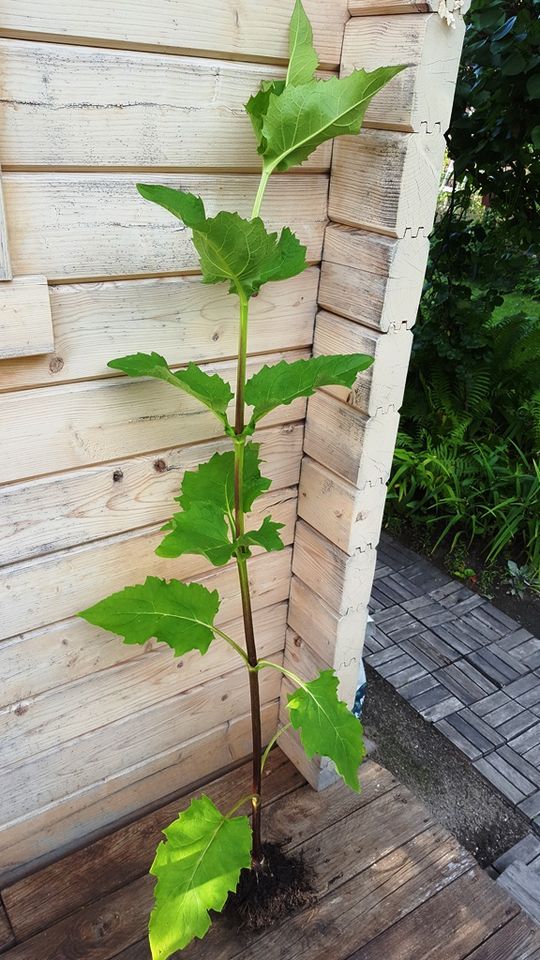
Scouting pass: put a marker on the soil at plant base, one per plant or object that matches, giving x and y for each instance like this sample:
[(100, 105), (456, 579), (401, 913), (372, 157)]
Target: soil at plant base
[(526, 609), (266, 897), (434, 770)]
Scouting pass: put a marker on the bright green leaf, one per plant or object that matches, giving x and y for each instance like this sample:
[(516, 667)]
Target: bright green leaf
[(231, 248), (257, 106), (327, 726), (179, 614), (267, 536), (197, 867), (209, 389), (303, 58), (200, 530), (284, 382), (213, 482), (303, 117)]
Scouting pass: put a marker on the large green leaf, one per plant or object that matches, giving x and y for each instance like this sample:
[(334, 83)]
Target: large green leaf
[(231, 248), (303, 58), (179, 614), (257, 106), (284, 382), (267, 536), (213, 482), (203, 530), (206, 524), (210, 389), (327, 726), (197, 867), (302, 117)]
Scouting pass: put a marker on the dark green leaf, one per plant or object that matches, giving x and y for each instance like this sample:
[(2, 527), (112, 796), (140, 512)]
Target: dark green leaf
[(179, 614), (213, 481), (303, 117), (231, 248), (202, 530), (284, 382), (267, 536), (197, 867), (211, 390), (303, 58), (327, 726), (257, 106)]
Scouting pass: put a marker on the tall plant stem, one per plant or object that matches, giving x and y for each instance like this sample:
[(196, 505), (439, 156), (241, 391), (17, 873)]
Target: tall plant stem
[(241, 560)]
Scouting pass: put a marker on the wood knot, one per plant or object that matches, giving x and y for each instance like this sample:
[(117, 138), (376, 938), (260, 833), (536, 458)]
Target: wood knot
[(56, 364), (160, 466), (118, 475)]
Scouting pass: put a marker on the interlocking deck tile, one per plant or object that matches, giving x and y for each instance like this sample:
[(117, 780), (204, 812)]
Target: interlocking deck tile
[(395, 665), (506, 786), (436, 703), (523, 884), (506, 711), (464, 681), (423, 574), (407, 675), (425, 650), (459, 636), (376, 639), (526, 652), (381, 570), (480, 628), (518, 724), (498, 666), (394, 553), (401, 627), (387, 590), (382, 657), (428, 611), (389, 613), (479, 732), (494, 620), (379, 600), (514, 639), (466, 605), (493, 702), (531, 806), (458, 739), (450, 592), (526, 741), (525, 850), (526, 690), (526, 769), (422, 685)]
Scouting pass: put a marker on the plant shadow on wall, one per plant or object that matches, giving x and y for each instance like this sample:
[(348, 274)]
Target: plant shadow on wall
[(466, 479), (206, 850)]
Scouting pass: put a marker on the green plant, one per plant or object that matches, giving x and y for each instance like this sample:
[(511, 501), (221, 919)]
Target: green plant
[(521, 579), (205, 849)]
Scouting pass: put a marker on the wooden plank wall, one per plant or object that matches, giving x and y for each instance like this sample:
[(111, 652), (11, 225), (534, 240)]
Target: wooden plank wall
[(96, 96), (383, 191)]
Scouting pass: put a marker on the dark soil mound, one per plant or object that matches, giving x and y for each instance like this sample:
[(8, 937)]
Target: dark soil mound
[(282, 887)]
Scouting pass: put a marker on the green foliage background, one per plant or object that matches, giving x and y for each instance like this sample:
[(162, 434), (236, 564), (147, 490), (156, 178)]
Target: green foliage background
[(467, 464)]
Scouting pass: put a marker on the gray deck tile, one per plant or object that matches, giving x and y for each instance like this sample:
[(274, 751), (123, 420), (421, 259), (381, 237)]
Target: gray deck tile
[(382, 657), (493, 702), (481, 733), (523, 885), (503, 784), (527, 740), (430, 650), (531, 806), (525, 851), (428, 611), (395, 665), (458, 739), (459, 636), (526, 690), (464, 681), (498, 666), (414, 689), (407, 675), (526, 769)]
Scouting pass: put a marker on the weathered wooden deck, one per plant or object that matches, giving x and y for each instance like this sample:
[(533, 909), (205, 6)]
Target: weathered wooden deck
[(390, 883)]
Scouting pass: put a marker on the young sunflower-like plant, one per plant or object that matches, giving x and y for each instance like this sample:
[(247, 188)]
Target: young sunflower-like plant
[(205, 850)]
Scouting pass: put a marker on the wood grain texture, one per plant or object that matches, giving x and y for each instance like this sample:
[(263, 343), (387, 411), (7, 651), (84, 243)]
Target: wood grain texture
[(381, 387), (63, 510), (128, 109), (95, 322), (76, 226), (358, 448), (81, 424), (252, 31), (350, 518), (59, 827), (25, 318), (341, 581), (421, 96), (5, 260), (108, 864), (6, 933), (337, 639), (386, 181), (57, 716), (39, 592), (61, 771), (366, 8), (373, 279)]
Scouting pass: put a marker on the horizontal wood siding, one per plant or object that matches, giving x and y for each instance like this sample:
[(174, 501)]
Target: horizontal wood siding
[(97, 98)]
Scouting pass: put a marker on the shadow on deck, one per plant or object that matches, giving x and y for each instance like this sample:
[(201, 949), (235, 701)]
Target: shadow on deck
[(391, 885)]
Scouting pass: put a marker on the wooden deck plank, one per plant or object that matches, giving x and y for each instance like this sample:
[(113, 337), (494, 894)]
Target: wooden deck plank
[(450, 924), (517, 940), (43, 898), (6, 933)]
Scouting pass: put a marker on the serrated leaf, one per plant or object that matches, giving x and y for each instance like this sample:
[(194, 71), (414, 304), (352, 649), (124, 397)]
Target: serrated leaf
[(327, 726), (257, 106), (302, 117), (213, 482), (267, 536), (303, 58), (200, 530), (206, 524), (196, 868), (209, 389), (284, 382), (231, 248), (179, 614)]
